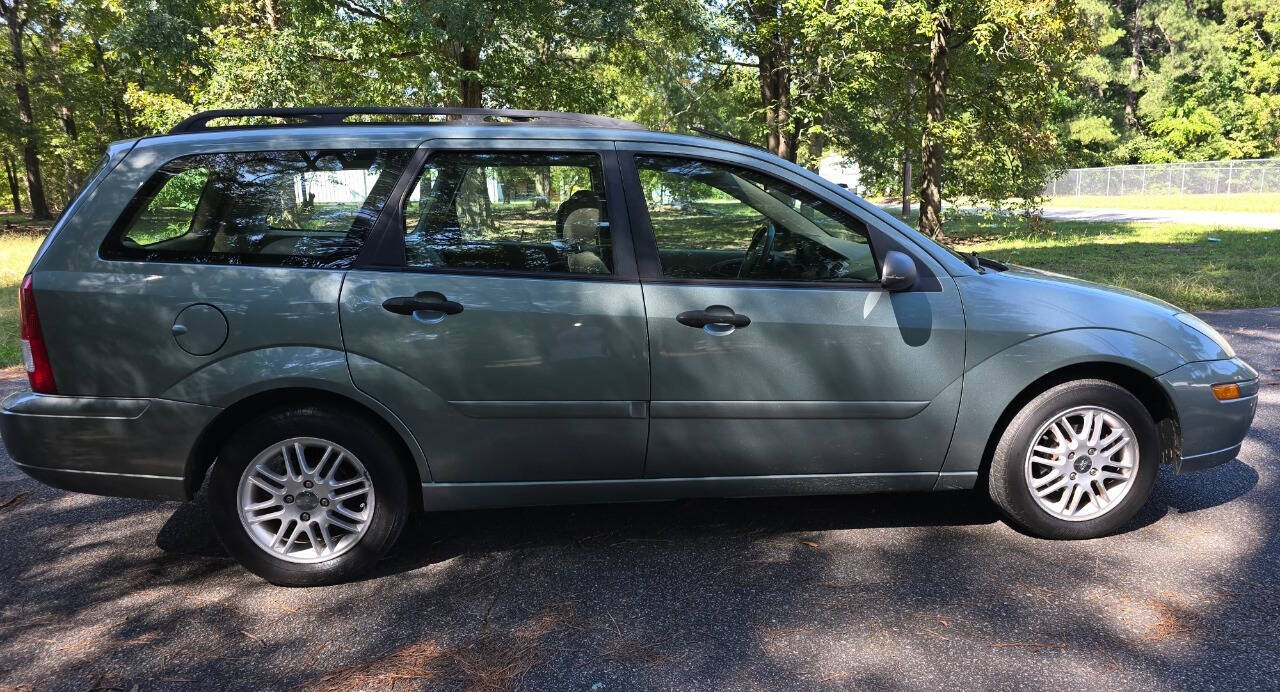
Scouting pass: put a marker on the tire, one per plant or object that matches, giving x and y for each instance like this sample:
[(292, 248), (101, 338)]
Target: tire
[(1100, 509), (349, 457)]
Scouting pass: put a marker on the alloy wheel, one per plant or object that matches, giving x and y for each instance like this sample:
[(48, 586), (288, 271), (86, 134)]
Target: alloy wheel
[(305, 500), (1082, 462)]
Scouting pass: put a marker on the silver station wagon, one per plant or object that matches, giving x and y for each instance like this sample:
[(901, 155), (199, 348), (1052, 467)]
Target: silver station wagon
[(350, 313)]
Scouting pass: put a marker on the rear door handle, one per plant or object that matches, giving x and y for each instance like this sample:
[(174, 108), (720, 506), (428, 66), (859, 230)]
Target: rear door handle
[(702, 318), (407, 305)]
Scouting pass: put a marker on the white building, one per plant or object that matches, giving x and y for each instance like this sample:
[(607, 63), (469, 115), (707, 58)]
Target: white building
[(841, 171)]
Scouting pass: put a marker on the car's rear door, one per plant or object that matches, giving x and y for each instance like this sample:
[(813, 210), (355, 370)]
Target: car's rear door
[(504, 323), (831, 374)]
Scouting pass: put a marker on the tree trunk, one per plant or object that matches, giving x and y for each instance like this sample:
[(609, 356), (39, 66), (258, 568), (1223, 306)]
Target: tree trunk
[(906, 181), (70, 175), (816, 139), (271, 11), (542, 186), (469, 88), (474, 210), (768, 100), (907, 154), (931, 144), (1135, 67), (100, 62), (11, 174), (772, 62), (31, 140), (786, 133), (816, 144)]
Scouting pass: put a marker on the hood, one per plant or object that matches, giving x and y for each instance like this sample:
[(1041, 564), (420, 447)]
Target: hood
[(1020, 303), (1046, 277)]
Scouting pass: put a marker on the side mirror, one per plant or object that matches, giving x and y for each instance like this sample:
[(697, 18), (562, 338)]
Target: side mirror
[(898, 272)]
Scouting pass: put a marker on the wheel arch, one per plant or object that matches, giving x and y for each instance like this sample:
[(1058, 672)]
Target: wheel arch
[(1138, 383), (204, 452)]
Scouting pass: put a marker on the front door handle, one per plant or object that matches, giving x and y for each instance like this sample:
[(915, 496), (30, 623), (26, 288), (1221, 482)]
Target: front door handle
[(407, 305), (701, 319)]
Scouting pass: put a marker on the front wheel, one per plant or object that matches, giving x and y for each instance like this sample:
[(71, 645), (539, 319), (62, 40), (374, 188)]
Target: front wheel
[(1078, 461), (308, 496)]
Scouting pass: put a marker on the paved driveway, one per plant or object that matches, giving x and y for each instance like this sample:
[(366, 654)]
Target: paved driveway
[(870, 591), (1234, 219), (1269, 219)]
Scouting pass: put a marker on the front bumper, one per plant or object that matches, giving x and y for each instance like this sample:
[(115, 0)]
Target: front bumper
[(104, 446), (1211, 430)]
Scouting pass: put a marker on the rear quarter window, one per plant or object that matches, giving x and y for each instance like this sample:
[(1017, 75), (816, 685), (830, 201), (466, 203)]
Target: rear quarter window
[(298, 208)]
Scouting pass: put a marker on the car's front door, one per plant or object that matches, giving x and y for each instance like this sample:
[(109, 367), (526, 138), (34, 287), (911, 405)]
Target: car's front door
[(773, 348), (507, 329)]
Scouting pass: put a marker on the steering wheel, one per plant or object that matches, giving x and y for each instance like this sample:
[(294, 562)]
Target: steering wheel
[(759, 252)]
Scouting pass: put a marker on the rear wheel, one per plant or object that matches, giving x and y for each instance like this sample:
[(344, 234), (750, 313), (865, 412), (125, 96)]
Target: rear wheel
[(308, 496), (1078, 461)]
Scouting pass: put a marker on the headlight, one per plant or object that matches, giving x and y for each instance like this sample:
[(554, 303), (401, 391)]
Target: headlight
[(1203, 327)]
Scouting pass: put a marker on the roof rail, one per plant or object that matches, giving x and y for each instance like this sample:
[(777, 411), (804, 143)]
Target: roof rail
[(335, 115), (728, 138)]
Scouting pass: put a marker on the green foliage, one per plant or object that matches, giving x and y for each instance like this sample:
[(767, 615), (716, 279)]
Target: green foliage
[(1034, 85)]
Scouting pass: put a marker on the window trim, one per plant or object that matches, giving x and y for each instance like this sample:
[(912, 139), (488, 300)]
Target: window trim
[(385, 249), (113, 249), (881, 238), (652, 238), (650, 265)]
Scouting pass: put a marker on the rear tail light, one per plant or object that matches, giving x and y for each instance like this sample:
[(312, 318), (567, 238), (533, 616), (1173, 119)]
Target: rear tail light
[(34, 354)]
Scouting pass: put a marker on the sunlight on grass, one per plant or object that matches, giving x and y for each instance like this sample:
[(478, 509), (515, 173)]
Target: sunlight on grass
[(1267, 202), (1174, 262), (16, 251)]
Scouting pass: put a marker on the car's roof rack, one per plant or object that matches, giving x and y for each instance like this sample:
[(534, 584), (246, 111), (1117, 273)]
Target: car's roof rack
[(335, 115), (720, 135)]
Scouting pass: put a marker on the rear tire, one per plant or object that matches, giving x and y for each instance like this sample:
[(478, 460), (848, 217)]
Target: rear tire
[(1078, 461), (328, 483)]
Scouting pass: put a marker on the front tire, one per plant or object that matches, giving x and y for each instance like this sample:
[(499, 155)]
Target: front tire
[(308, 496), (1078, 461)]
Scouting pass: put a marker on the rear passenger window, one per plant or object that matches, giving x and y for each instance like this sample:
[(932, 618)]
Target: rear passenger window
[(510, 211), (300, 208), (170, 212)]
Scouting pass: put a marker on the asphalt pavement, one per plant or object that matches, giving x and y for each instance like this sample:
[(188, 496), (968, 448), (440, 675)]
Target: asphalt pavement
[(899, 591), (1232, 219), (1263, 218)]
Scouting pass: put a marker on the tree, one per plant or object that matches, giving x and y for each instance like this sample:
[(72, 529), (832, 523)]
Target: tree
[(1003, 63), (973, 83), (16, 17)]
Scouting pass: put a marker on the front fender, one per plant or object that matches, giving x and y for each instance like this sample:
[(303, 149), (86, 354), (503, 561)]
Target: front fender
[(235, 378), (992, 384)]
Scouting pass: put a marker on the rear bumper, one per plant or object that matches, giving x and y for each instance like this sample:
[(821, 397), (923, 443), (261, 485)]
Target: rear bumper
[(104, 446), (1212, 430)]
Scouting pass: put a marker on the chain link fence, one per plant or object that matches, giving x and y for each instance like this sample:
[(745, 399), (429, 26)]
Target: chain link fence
[(1190, 178)]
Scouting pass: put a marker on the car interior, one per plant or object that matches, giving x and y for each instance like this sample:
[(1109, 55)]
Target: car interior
[(264, 203), (712, 221), (486, 211)]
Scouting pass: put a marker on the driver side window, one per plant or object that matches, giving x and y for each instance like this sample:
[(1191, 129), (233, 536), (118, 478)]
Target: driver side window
[(716, 221)]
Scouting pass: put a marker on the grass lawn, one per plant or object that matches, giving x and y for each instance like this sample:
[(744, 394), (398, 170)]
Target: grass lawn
[(1175, 262), (1251, 201), (19, 240)]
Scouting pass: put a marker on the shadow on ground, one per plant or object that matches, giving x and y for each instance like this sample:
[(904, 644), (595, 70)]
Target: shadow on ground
[(911, 589), (885, 591)]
